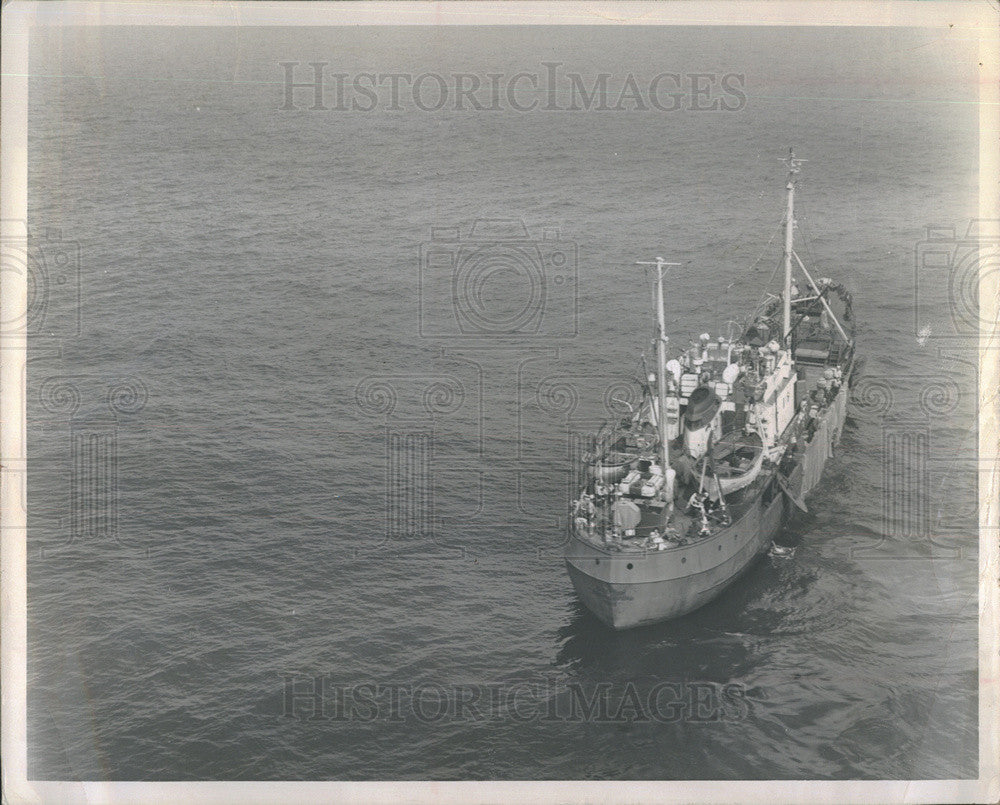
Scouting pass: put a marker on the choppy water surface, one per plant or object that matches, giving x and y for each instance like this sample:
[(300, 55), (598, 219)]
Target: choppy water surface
[(298, 484)]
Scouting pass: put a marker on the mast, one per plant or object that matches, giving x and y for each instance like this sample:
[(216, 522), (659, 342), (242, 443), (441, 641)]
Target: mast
[(793, 168), (661, 359)]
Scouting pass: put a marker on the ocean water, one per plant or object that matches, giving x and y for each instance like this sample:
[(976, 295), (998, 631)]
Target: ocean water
[(273, 482)]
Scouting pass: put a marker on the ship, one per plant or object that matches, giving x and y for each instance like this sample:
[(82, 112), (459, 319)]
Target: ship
[(728, 437)]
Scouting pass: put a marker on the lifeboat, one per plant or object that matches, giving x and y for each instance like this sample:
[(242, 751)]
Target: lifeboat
[(612, 466), (618, 452), (737, 459)]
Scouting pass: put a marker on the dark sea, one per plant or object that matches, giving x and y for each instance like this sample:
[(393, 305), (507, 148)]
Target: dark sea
[(295, 513)]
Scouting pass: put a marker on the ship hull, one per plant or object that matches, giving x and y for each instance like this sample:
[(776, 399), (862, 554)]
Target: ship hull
[(626, 590), (628, 605), (629, 589)]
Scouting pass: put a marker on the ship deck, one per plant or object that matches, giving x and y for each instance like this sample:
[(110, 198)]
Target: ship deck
[(681, 530)]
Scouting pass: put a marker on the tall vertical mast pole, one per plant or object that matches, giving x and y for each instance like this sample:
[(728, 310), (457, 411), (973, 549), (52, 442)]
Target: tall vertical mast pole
[(661, 359), (789, 224), (787, 295), (793, 168), (661, 343)]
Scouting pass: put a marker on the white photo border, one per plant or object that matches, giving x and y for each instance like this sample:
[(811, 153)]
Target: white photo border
[(973, 20)]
